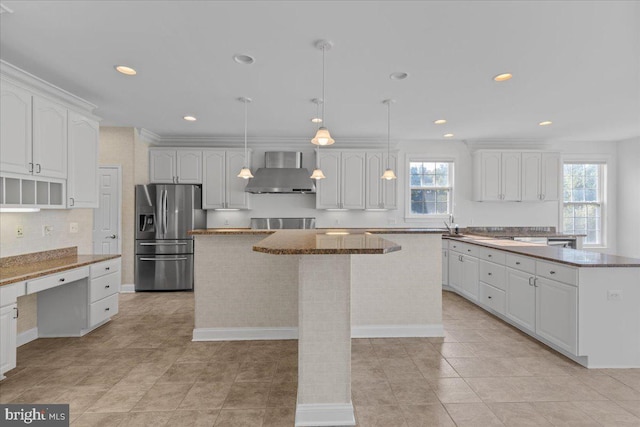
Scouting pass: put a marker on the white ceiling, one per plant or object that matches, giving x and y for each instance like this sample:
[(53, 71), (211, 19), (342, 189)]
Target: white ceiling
[(574, 62)]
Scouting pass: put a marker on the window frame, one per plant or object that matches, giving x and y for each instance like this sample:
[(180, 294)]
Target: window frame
[(415, 158), (602, 196)]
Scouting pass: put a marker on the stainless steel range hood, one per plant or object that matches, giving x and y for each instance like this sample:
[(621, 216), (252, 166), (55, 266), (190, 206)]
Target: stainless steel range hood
[(283, 173)]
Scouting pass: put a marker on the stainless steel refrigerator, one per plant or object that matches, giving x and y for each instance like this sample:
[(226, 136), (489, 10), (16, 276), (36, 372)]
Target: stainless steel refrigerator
[(164, 251)]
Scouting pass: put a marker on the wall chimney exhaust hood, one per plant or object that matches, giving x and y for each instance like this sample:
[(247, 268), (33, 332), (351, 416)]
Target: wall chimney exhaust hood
[(283, 173)]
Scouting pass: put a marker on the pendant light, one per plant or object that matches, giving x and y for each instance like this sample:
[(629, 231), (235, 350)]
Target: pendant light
[(317, 172), (322, 135), (388, 173), (245, 172)]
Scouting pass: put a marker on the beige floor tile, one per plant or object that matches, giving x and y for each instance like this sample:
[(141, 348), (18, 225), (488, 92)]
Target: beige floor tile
[(435, 367), (380, 416), (455, 349), (518, 415), (44, 394), (184, 373), (144, 373), (219, 372), (162, 397), (192, 418), (69, 375), (564, 414), (421, 349), (453, 390), (373, 394), (468, 335), (247, 395), (119, 399), (487, 367), (205, 396), (279, 417), (146, 419), (472, 415), (283, 395), (286, 372), (99, 420), (608, 413), (80, 398), (257, 371), (611, 388), (632, 406), (413, 392), (240, 418), (431, 415)]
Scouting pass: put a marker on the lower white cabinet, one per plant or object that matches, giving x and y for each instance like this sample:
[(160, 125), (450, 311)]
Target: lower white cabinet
[(8, 334), (557, 313), (492, 297), (521, 299), (463, 274)]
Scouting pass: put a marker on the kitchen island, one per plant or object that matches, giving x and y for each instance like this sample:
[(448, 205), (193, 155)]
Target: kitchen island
[(314, 289)]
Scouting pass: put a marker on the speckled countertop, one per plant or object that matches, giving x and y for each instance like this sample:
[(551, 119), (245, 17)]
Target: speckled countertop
[(38, 264), (573, 257), (222, 231), (321, 242)]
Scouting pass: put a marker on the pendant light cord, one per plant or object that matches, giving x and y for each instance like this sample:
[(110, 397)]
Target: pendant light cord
[(245, 131), (318, 123), (388, 132), (323, 98)]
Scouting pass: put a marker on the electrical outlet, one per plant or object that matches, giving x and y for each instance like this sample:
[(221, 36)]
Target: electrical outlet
[(19, 231), (47, 230), (614, 295), (73, 227)]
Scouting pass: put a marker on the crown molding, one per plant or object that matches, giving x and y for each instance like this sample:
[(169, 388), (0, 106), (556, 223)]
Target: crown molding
[(40, 87)]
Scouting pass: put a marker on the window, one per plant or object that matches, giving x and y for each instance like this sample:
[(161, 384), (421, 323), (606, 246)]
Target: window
[(431, 188), (583, 201)]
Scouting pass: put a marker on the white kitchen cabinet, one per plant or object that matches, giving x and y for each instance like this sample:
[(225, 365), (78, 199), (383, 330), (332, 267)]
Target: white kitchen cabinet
[(540, 176), (557, 313), (344, 187), (221, 188), (381, 193), (175, 166), (520, 305), (34, 134), (8, 335), (455, 270), (445, 266), (470, 273), (15, 129), (82, 172), (49, 139), (497, 176)]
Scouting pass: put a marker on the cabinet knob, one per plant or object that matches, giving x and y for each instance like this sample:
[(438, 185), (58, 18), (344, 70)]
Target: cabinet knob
[(468, 250), (490, 256), (489, 297), (107, 268), (552, 272), (489, 274), (61, 279), (517, 262), (107, 286), (106, 309)]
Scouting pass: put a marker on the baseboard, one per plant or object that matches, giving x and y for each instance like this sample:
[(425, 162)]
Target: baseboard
[(397, 331), (27, 336), (242, 334), (127, 289), (324, 414)]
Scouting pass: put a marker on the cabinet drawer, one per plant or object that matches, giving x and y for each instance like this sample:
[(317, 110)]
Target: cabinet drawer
[(464, 248), (493, 255), (493, 274), (492, 297), (104, 286), (557, 272), (9, 293), (521, 263), (454, 245), (54, 280), (103, 309), (106, 267)]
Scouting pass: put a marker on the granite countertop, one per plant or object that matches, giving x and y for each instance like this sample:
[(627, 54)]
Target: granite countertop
[(223, 231), (321, 242), (573, 257), (38, 264), (227, 231)]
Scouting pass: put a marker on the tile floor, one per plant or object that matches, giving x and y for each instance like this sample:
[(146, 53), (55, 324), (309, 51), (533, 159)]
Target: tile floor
[(141, 369)]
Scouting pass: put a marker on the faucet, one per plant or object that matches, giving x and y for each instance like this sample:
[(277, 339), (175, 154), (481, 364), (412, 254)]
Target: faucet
[(451, 225)]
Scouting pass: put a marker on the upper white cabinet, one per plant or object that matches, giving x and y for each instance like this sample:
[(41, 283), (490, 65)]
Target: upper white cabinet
[(175, 166), (381, 193), (34, 134), (344, 185), (516, 176), (82, 167), (540, 176), (15, 129), (221, 188)]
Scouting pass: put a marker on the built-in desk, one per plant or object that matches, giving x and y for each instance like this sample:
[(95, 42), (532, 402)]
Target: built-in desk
[(76, 294)]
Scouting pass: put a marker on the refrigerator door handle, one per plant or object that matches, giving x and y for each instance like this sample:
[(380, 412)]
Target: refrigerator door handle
[(164, 212), (163, 243), (164, 259)]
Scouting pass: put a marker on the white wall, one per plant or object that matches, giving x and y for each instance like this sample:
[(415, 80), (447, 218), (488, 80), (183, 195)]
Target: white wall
[(467, 212), (628, 209)]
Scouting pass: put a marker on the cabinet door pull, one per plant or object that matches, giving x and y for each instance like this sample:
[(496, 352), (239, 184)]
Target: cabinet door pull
[(552, 272), (489, 297), (39, 168), (73, 201), (17, 313), (517, 262), (530, 281), (106, 309), (61, 279), (107, 268), (468, 250), (107, 286), (534, 282), (30, 167)]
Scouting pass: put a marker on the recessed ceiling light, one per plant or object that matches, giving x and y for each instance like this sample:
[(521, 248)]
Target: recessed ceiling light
[(545, 123), (128, 71), (503, 77), (398, 76), (448, 135), (316, 120), (440, 122), (243, 59), (190, 118)]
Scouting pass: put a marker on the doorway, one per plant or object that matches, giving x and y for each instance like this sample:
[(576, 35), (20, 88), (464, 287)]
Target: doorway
[(107, 218)]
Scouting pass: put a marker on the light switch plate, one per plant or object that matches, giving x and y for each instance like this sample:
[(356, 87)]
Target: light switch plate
[(47, 230), (19, 231), (73, 227)]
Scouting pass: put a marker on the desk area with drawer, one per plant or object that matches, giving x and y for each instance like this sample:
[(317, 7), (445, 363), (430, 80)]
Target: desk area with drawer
[(75, 295)]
